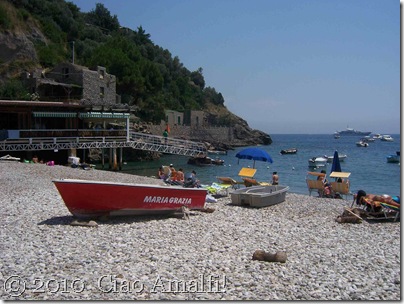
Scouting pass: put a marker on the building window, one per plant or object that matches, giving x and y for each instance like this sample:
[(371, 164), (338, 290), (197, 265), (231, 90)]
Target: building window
[(65, 72), (102, 74), (102, 91)]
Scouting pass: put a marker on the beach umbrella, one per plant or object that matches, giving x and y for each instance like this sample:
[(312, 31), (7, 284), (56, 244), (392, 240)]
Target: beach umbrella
[(336, 166), (254, 154)]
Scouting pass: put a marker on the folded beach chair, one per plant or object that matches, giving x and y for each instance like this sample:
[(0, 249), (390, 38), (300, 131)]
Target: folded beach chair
[(313, 184)]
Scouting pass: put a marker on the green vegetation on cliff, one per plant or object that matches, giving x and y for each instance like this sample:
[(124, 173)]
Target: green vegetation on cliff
[(148, 76)]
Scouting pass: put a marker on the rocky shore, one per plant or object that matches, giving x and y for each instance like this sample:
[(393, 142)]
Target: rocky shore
[(205, 257)]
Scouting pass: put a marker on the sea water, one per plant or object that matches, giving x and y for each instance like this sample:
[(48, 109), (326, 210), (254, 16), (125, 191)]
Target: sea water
[(368, 166)]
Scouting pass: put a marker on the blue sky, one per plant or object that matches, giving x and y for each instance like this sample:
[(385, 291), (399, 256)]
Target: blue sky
[(285, 66)]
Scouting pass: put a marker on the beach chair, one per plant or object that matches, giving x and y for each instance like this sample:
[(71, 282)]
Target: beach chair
[(249, 182), (228, 181), (247, 175), (313, 184), (342, 188), (391, 210), (378, 209)]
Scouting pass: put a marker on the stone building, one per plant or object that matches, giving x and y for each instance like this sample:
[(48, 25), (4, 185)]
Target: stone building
[(68, 81), (195, 118), (174, 118)]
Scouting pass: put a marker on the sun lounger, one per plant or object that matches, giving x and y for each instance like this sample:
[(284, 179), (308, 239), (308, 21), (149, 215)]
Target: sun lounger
[(314, 184), (249, 182), (391, 210), (228, 181), (378, 209)]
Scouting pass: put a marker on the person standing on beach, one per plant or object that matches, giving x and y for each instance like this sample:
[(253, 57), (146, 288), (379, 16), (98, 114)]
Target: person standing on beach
[(275, 178)]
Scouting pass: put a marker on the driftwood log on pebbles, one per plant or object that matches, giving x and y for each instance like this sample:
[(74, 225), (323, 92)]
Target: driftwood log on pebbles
[(261, 255), (348, 219), (353, 216)]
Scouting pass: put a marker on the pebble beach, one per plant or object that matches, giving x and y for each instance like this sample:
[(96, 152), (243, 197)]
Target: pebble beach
[(207, 256)]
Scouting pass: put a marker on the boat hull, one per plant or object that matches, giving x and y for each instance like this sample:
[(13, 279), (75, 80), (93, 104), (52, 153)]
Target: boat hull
[(259, 196), (88, 199)]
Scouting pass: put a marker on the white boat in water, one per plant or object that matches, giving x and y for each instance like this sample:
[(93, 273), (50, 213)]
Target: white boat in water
[(341, 157), (368, 139), (319, 161), (387, 138), (362, 144)]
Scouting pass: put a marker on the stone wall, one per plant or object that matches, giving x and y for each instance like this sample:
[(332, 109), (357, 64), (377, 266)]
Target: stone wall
[(99, 87)]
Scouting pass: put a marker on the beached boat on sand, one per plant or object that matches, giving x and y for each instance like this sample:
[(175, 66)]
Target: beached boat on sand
[(259, 196), (89, 199), (10, 158)]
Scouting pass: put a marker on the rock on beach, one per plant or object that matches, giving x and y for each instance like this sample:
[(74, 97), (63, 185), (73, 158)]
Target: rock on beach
[(206, 257)]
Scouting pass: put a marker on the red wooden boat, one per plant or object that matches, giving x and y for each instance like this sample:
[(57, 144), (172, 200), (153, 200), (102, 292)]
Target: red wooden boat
[(87, 199)]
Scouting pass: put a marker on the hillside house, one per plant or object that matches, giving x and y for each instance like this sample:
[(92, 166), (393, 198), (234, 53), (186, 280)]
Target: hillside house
[(68, 81)]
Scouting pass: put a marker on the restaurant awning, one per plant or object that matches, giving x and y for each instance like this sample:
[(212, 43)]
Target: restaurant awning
[(55, 114), (104, 115)]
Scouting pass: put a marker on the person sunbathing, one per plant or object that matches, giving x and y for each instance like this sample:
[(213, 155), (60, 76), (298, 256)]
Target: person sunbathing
[(374, 201)]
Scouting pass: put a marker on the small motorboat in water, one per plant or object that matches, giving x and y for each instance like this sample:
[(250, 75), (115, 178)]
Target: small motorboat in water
[(289, 151), (387, 138), (341, 157), (362, 144), (205, 161), (318, 161)]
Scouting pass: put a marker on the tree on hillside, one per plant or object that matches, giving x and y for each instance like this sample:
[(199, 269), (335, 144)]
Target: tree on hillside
[(198, 79), (101, 17)]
